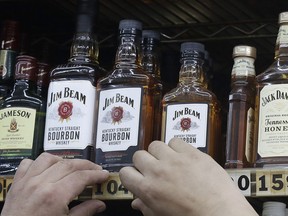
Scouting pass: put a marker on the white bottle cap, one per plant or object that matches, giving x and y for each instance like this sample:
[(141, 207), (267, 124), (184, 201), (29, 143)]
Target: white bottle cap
[(273, 208)]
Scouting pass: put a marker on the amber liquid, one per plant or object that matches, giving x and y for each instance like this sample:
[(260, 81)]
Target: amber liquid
[(126, 78), (277, 73), (196, 94), (241, 100)]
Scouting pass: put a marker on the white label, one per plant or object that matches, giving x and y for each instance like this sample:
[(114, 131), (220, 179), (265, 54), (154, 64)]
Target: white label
[(187, 122), (243, 66), (70, 117), (273, 121), (118, 118), (282, 37)]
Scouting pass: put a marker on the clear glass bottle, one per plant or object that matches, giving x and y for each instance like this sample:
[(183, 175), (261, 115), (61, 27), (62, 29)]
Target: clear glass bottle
[(22, 117), (10, 45), (273, 208), (71, 101), (191, 111), (151, 63), (126, 104), (271, 118), (240, 122)]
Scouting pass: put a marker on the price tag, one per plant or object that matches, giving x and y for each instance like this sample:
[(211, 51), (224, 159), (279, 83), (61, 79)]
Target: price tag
[(1, 189), (278, 182), (111, 189), (242, 179), (263, 186)]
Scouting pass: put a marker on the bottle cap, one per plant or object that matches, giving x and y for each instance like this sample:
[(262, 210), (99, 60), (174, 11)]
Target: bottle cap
[(243, 50), (130, 24), (10, 35), (192, 46), (151, 34), (283, 17), (273, 208), (26, 67)]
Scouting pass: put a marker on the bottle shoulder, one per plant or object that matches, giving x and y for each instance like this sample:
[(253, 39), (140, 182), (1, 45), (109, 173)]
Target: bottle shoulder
[(190, 94), (77, 70), (127, 76), (277, 72)]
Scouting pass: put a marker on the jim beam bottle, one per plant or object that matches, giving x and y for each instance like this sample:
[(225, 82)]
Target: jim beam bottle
[(125, 108), (240, 123), (271, 105), (71, 99), (151, 63), (10, 45), (191, 111), (22, 116)]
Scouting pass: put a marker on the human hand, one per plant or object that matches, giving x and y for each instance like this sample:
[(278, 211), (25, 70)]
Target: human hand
[(178, 179), (47, 185)]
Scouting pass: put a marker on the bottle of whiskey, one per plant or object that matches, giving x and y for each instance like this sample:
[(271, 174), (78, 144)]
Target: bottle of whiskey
[(71, 100), (125, 108), (191, 111), (22, 116), (271, 119), (151, 63), (240, 123), (10, 45), (43, 79)]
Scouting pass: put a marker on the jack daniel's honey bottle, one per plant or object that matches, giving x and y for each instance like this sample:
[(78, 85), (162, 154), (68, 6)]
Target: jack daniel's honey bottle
[(125, 108), (271, 111), (71, 99), (191, 111)]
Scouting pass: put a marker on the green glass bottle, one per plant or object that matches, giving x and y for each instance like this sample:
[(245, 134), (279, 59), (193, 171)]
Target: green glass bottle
[(22, 118)]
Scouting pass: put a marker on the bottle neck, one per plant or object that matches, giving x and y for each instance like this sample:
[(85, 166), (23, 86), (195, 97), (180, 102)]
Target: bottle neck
[(128, 51), (84, 48), (281, 48), (243, 67), (150, 57), (191, 71)]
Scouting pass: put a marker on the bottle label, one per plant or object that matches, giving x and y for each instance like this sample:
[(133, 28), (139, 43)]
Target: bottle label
[(282, 37), (188, 122), (273, 121), (17, 131), (70, 122), (7, 64), (243, 66), (118, 118), (249, 134)]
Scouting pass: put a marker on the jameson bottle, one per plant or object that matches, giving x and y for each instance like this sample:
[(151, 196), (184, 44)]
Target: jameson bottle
[(22, 116), (191, 111), (125, 108), (71, 100), (10, 45), (271, 105), (151, 64), (240, 123)]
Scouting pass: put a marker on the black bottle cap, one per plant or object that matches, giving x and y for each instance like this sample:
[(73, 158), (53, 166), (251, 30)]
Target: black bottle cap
[(130, 24), (86, 14), (151, 34)]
